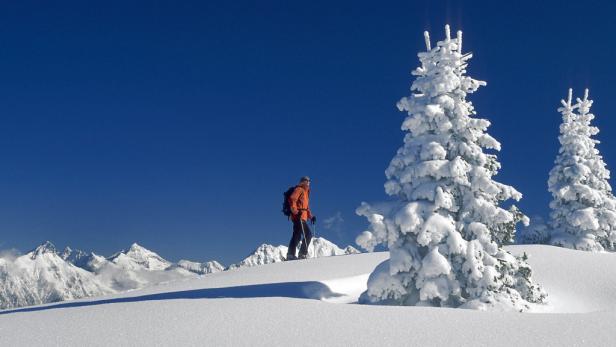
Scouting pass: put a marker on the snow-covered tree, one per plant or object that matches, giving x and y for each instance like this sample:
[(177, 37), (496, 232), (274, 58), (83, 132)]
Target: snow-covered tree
[(583, 212), (444, 227)]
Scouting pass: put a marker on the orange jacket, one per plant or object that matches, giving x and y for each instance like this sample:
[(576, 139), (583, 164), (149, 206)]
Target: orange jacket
[(298, 201)]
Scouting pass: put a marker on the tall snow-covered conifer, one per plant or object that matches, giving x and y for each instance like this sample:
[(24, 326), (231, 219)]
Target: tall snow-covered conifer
[(583, 212), (444, 227)]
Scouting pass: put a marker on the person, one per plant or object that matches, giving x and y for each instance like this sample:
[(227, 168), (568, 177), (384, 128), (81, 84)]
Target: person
[(300, 215)]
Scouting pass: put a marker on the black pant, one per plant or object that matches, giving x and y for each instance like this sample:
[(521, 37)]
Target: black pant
[(297, 236)]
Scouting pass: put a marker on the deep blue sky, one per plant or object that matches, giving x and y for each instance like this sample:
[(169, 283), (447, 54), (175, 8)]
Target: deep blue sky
[(179, 124)]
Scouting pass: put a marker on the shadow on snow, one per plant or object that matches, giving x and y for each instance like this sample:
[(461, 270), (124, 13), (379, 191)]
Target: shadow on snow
[(300, 290)]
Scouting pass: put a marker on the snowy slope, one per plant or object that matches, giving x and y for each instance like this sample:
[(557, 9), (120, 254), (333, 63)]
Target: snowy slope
[(303, 302)]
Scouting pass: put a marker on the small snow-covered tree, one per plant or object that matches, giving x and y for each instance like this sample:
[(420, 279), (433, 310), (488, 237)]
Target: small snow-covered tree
[(444, 226), (583, 208), (538, 232)]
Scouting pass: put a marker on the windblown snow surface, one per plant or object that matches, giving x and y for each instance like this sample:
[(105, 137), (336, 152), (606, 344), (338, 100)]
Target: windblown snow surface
[(312, 303)]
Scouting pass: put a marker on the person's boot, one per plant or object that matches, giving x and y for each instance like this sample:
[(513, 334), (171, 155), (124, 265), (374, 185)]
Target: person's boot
[(303, 256), (291, 257)]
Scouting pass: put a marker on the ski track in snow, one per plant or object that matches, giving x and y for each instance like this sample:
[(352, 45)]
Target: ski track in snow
[(310, 303)]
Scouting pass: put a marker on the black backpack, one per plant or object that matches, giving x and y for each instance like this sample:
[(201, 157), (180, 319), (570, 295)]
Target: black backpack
[(286, 208)]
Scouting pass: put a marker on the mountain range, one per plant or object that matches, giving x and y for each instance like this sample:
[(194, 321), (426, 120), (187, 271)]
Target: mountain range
[(46, 275)]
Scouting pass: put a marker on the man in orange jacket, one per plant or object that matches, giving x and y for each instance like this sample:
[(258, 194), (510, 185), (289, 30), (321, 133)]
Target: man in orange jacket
[(300, 214)]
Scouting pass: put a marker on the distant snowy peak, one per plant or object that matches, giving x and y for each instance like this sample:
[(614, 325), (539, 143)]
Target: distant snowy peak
[(264, 254), (201, 268), (45, 247), (45, 275), (86, 260), (67, 252), (267, 254), (138, 257), (351, 250), (74, 256), (321, 247), (41, 276)]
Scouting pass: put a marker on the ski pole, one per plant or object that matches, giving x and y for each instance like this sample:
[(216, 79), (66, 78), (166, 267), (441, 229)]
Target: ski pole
[(314, 230)]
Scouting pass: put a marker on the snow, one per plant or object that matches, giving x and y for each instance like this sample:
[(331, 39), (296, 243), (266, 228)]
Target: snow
[(308, 302), (434, 264), (87, 261), (444, 224), (138, 257), (440, 183), (320, 247), (201, 268), (583, 207), (538, 232), (264, 254), (268, 254), (44, 275)]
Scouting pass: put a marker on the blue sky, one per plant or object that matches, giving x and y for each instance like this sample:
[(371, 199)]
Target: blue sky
[(178, 125)]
